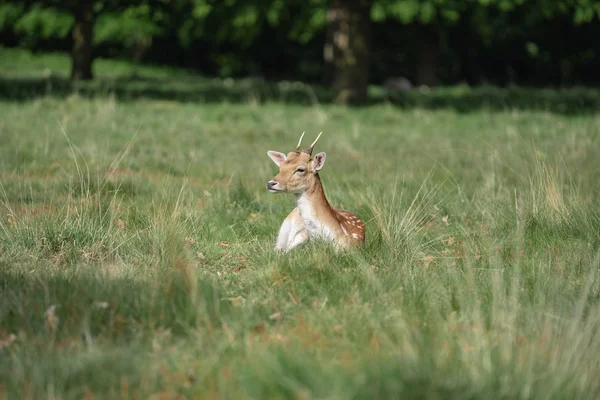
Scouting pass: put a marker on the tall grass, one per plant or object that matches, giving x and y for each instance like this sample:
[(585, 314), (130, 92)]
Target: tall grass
[(136, 254)]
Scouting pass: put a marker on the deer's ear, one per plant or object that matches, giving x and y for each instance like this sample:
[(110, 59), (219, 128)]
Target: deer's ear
[(276, 156), (318, 161)]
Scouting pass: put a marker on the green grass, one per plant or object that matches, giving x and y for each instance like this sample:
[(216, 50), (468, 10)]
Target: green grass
[(136, 247)]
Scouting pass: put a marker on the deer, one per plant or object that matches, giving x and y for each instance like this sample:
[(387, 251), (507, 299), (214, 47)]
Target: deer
[(313, 217)]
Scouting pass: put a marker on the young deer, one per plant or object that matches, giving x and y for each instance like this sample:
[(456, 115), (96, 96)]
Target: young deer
[(313, 217)]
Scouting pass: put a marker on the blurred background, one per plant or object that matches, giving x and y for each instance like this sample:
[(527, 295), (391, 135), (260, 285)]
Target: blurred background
[(347, 48)]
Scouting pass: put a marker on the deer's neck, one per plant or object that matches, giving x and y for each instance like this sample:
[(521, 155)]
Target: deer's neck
[(315, 210)]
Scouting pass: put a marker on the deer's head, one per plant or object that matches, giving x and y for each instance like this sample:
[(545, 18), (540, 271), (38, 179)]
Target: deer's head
[(298, 170)]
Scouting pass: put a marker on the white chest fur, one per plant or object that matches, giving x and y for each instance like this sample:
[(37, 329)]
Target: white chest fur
[(313, 224)]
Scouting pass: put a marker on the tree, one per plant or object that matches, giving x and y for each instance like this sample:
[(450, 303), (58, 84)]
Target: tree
[(82, 32), (429, 21), (344, 43), (348, 39), (347, 33), (57, 18), (129, 18), (83, 36), (347, 47)]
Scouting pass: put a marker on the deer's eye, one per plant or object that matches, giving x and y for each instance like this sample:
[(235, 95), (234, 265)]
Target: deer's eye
[(300, 170)]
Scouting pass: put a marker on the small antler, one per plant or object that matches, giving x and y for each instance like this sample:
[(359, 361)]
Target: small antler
[(310, 149), (297, 149)]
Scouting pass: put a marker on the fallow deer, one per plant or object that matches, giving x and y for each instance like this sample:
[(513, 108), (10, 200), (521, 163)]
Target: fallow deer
[(313, 217)]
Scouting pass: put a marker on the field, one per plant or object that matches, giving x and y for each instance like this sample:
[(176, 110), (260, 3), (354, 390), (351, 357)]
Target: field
[(136, 241)]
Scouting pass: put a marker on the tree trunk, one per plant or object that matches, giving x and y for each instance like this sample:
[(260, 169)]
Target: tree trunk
[(427, 50), (346, 50), (83, 32)]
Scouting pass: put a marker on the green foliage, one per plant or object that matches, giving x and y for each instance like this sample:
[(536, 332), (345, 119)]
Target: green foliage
[(238, 37), (9, 15), (133, 26), (423, 12), (430, 11), (192, 25), (43, 23), (305, 29), (586, 11)]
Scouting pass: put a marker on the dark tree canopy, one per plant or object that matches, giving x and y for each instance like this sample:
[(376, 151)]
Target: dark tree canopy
[(346, 44)]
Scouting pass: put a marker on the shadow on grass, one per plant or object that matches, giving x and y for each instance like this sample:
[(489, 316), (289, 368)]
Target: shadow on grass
[(198, 89), (115, 307)]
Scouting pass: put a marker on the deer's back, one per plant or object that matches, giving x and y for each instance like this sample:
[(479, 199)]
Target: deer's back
[(351, 225)]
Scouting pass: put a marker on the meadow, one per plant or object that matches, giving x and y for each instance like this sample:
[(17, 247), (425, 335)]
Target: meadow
[(136, 240)]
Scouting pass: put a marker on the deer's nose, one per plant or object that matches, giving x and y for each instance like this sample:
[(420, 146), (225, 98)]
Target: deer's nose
[(271, 184)]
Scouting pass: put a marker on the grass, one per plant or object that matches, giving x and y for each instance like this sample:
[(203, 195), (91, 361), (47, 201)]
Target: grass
[(136, 245)]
